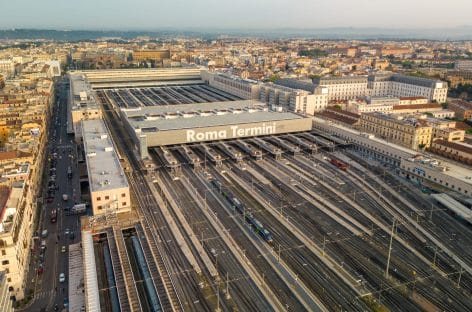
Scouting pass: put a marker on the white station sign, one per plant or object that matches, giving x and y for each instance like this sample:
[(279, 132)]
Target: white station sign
[(231, 133)]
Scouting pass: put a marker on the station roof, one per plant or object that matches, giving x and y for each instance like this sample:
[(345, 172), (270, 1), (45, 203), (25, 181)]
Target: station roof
[(188, 116), (454, 205), (103, 165)]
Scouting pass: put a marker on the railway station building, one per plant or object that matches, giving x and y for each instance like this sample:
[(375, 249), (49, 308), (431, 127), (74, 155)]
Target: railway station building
[(109, 189), (82, 104), (189, 124)]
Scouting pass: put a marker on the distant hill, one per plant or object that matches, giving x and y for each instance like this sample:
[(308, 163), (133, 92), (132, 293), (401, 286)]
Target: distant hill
[(458, 33)]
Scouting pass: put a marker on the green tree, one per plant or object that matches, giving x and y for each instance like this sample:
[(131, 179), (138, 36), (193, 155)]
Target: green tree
[(274, 78)]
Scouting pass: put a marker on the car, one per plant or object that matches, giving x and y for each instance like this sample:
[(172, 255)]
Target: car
[(66, 302), (62, 278), (72, 235), (63, 249), (44, 233), (67, 231)]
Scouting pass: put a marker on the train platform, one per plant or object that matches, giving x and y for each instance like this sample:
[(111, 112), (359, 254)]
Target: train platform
[(76, 278)]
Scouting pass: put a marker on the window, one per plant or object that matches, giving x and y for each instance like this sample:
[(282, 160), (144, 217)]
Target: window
[(99, 198), (99, 207), (9, 280), (123, 195), (107, 197), (5, 262), (123, 204), (4, 252)]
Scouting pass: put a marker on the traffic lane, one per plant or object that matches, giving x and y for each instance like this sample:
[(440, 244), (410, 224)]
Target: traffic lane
[(53, 261), (47, 279)]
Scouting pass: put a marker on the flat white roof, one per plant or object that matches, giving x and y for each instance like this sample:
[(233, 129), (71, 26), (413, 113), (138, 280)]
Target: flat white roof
[(458, 172), (198, 115), (80, 87), (103, 165)]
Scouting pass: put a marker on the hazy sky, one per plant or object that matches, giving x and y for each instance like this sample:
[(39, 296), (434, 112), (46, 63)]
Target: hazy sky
[(153, 14)]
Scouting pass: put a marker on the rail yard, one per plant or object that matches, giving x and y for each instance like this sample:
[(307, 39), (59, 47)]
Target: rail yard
[(296, 221)]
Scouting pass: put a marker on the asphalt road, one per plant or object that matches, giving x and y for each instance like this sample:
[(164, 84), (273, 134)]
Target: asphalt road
[(48, 291)]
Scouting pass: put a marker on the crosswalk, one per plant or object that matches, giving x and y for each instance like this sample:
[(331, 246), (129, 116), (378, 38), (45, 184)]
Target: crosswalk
[(44, 294)]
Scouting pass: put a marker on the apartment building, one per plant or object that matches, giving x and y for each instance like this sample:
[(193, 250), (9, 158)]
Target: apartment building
[(395, 51), (306, 85), (109, 189), (16, 225), (7, 68), (461, 108), (243, 88), (147, 55), (465, 65), (379, 85), (361, 106), (459, 77), (343, 88), (444, 113), (5, 302), (294, 99), (407, 86), (446, 130), (411, 132), (412, 100), (417, 108)]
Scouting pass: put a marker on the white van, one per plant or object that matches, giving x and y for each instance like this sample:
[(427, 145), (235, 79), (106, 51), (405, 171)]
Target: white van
[(43, 244)]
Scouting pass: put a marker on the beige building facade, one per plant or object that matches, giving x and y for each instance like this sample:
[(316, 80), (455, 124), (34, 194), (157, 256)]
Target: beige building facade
[(343, 88), (5, 302), (405, 131)]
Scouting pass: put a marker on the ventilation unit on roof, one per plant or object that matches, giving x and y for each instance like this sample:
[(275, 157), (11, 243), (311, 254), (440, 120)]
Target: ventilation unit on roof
[(108, 149), (91, 154), (103, 136)]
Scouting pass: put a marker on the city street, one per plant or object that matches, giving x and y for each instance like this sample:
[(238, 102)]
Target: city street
[(46, 266)]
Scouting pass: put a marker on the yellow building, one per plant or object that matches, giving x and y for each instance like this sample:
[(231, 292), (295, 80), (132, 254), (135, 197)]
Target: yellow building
[(446, 129), (147, 55), (406, 131), (4, 133)]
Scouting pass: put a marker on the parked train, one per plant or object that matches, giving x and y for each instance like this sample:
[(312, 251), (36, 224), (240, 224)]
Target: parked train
[(341, 165), (242, 209)]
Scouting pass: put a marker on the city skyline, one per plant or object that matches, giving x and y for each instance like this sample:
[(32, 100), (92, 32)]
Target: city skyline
[(265, 14), (304, 155)]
